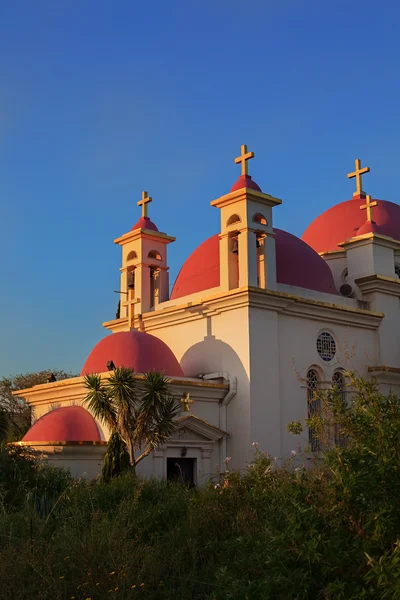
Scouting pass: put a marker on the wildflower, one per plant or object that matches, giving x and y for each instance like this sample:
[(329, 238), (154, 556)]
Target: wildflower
[(226, 483), (275, 458), (142, 585), (62, 577), (133, 587), (216, 486), (293, 453), (227, 460), (112, 573), (251, 466), (67, 557), (297, 469), (255, 444), (98, 583), (116, 589)]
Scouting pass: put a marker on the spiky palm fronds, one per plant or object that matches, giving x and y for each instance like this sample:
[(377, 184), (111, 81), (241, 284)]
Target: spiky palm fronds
[(158, 409), (99, 401)]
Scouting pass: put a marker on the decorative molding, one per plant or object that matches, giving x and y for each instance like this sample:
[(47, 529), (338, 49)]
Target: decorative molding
[(281, 302), (245, 194), (144, 234), (379, 283)]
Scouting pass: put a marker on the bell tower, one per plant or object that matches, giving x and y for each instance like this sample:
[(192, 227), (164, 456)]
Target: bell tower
[(144, 272), (247, 239)]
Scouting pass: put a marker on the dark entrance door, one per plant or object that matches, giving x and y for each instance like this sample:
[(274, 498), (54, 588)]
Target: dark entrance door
[(181, 470)]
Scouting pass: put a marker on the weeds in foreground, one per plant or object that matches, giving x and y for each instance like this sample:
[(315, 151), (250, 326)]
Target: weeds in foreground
[(274, 533)]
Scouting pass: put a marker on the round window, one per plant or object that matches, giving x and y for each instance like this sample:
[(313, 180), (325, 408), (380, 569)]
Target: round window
[(326, 346)]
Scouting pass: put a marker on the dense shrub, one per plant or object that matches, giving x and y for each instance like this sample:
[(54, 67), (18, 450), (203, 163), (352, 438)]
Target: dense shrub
[(329, 531)]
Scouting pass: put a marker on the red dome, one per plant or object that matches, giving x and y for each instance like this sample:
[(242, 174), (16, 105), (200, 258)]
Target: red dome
[(296, 264), (343, 221), (245, 181), (145, 223), (67, 424), (136, 350)]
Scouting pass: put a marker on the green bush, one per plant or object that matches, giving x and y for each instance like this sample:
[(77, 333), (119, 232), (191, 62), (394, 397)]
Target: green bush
[(329, 531)]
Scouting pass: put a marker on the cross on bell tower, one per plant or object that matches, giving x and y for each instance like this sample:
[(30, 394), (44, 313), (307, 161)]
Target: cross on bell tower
[(146, 199), (358, 175), (243, 158)]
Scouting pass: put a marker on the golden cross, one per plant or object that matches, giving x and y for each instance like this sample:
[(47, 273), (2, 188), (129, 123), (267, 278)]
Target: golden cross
[(368, 205), (144, 202), (357, 174), (243, 158), (187, 401), (131, 308)]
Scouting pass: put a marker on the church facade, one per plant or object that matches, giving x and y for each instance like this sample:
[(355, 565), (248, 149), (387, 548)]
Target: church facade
[(257, 321)]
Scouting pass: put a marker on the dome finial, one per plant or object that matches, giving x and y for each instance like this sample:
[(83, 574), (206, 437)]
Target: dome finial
[(368, 205), (358, 174), (144, 202), (243, 158)]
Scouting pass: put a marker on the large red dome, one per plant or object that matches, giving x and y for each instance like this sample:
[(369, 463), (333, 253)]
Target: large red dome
[(66, 424), (342, 222), (136, 350), (296, 264)]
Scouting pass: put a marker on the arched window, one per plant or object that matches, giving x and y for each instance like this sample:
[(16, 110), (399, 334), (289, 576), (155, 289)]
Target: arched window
[(154, 254), (259, 218), (339, 383), (313, 407), (233, 219), (132, 254), (130, 278)]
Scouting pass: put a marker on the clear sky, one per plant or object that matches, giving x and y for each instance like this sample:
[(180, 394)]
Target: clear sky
[(102, 99)]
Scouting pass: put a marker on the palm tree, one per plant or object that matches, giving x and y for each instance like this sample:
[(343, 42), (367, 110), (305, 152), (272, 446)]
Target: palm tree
[(141, 412)]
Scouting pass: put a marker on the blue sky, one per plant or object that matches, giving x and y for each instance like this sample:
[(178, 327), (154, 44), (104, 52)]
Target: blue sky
[(102, 99)]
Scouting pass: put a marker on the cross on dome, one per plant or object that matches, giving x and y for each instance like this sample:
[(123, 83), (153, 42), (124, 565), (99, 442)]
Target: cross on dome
[(243, 158), (144, 202), (358, 175), (368, 205)]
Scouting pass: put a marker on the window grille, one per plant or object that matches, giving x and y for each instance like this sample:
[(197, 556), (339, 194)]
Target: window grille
[(339, 384), (326, 346), (314, 407)]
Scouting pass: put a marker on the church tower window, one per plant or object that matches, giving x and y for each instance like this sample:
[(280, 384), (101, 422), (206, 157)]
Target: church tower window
[(233, 219), (313, 407), (259, 218), (154, 255), (326, 346)]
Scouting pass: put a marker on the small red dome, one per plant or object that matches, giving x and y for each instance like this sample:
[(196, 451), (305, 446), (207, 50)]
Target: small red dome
[(369, 227), (296, 264), (343, 221), (245, 181), (145, 223), (67, 424), (135, 350)]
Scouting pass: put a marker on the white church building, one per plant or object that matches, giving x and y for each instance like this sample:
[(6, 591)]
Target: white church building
[(257, 320)]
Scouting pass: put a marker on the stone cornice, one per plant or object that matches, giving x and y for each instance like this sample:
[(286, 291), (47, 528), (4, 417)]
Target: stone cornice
[(73, 390), (245, 194), (379, 283), (287, 304), (146, 234)]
